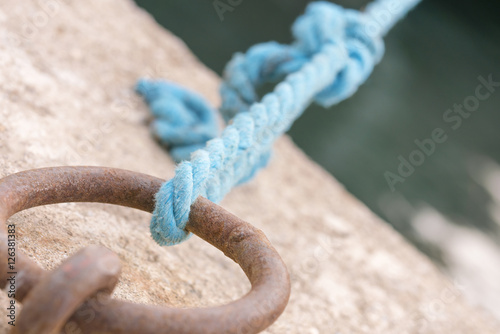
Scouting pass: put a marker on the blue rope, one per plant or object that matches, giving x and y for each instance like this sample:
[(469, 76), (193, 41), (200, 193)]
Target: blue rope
[(183, 122), (334, 53)]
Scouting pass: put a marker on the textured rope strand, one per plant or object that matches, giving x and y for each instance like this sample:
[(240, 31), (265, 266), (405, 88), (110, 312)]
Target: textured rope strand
[(334, 53)]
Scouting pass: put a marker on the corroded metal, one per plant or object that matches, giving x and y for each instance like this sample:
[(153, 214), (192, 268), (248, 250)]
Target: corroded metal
[(62, 291), (83, 308)]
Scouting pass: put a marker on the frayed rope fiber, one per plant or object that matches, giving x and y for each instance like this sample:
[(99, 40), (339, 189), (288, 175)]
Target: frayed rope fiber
[(183, 120), (334, 52)]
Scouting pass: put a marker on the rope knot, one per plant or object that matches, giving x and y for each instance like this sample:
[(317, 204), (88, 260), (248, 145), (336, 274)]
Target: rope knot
[(183, 121), (322, 25), (173, 201), (325, 24)]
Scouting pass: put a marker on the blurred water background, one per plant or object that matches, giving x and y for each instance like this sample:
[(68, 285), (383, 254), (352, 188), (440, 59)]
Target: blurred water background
[(449, 206)]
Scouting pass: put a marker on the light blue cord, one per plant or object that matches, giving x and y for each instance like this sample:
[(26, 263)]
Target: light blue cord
[(183, 122), (335, 52)]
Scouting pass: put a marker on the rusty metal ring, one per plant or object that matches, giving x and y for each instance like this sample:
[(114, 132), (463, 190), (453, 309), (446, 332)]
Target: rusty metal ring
[(91, 270), (240, 241)]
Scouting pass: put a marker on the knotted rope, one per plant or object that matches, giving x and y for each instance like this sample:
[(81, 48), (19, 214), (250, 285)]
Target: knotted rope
[(334, 52)]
